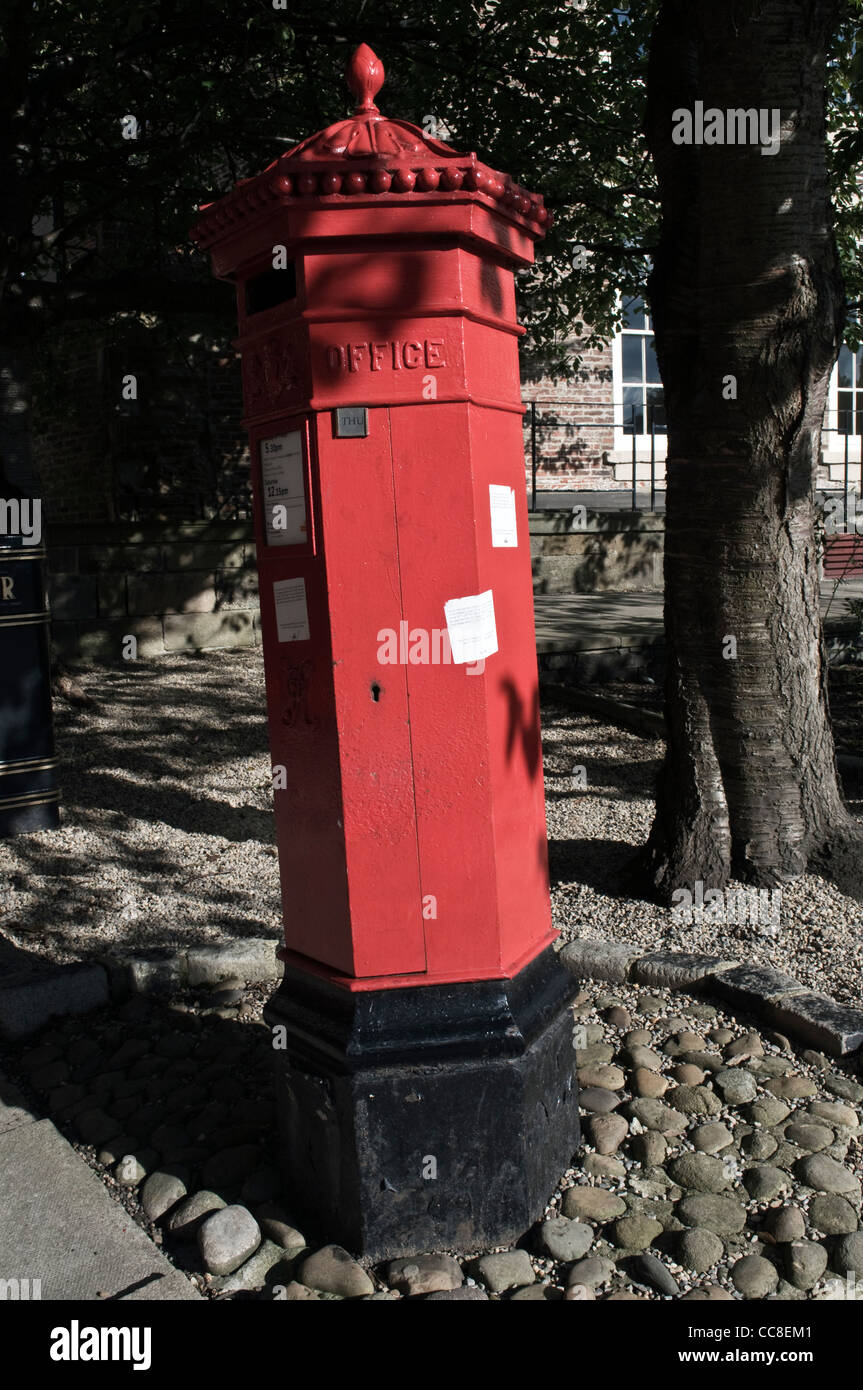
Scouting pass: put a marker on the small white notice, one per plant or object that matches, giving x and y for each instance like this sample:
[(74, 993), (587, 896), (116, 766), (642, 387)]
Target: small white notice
[(292, 615), (471, 627), (283, 489), (501, 501)]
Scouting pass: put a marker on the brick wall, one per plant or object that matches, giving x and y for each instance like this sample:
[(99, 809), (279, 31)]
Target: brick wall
[(574, 423)]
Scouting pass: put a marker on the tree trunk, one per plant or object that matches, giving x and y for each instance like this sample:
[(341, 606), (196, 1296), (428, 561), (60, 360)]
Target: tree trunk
[(748, 308)]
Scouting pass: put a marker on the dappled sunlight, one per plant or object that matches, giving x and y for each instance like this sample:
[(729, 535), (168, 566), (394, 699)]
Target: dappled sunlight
[(167, 833)]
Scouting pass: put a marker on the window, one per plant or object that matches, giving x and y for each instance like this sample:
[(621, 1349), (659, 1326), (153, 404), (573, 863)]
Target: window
[(640, 382), (849, 395), (842, 430)]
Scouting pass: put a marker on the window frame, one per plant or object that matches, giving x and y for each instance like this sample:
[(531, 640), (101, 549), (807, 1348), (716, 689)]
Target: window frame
[(832, 442), (622, 439)]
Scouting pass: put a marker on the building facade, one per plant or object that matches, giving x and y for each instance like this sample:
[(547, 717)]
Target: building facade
[(604, 426)]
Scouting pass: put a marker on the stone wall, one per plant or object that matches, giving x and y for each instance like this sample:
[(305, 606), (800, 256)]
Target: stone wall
[(193, 586), (606, 552), (174, 588)]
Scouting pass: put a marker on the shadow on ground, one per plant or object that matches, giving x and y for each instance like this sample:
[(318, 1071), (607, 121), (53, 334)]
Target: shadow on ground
[(188, 1094), (167, 833)]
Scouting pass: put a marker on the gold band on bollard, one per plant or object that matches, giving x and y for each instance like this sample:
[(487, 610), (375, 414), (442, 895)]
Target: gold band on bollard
[(41, 798), (25, 619), (18, 766)]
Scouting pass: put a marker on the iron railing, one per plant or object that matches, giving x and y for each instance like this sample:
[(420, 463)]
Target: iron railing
[(623, 419), (230, 498), (142, 505), (846, 448), (849, 462)]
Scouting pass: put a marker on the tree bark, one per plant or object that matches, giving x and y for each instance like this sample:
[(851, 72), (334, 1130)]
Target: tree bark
[(748, 307)]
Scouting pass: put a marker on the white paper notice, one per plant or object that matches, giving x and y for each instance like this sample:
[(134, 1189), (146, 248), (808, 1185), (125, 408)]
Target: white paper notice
[(283, 489), (471, 627), (501, 502), (292, 615)]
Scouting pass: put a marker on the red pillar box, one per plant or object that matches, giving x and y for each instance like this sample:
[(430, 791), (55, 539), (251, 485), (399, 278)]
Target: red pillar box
[(426, 1080)]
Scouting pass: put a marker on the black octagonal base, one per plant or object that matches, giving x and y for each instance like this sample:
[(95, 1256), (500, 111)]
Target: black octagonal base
[(425, 1118)]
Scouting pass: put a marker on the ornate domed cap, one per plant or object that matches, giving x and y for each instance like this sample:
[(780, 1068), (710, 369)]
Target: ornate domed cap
[(368, 134), (371, 157)]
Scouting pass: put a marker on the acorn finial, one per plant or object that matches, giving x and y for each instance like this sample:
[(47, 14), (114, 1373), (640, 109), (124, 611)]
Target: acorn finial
[(365, 76)]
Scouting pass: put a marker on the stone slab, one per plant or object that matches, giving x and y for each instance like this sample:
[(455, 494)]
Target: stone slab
[(14, 1109), (62, 559), (64, 640), (163, 972), (148, 974), (192, 591), (73, 596), (202, 631), (112, 595), (834, 1028), (252, 959), (59, 1225), (754, 986), (558, 522), (92, 559), (677, 969), (27, 1003), (105, 640), (204, 556), (236, 589), (584, 565), (600, 960)]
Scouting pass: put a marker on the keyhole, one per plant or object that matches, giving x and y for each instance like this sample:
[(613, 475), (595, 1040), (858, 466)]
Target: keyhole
[(376, 691)]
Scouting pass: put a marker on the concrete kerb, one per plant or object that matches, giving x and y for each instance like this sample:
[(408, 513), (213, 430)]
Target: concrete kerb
[(641, 721), (770, 995), (160, 972), (27, 1003), (29, 1000), (60, 1224)]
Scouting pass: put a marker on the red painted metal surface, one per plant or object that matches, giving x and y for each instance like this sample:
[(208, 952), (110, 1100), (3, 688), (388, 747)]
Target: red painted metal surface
[(411, 826)]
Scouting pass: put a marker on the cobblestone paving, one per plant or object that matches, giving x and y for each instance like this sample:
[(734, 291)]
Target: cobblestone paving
[(720, 1161)]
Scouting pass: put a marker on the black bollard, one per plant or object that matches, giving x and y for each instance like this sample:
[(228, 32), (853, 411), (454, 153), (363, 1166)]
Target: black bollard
[(28, 782)]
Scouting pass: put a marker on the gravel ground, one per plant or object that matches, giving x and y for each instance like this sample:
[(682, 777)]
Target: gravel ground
[(845, 683), (594, 830), (168, 836)]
